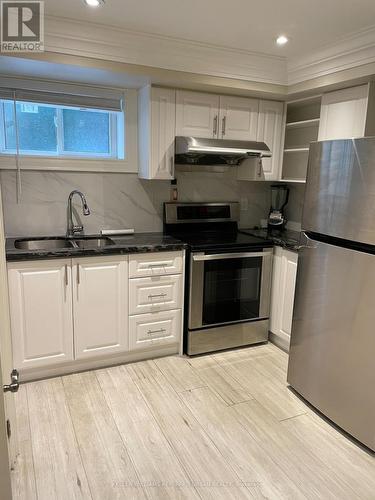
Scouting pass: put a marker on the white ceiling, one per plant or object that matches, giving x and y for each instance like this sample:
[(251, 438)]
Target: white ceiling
[(240, 24)]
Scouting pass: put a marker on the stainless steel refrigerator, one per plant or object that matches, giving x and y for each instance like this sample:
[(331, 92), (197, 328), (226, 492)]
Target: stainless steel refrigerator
[(332, 353)]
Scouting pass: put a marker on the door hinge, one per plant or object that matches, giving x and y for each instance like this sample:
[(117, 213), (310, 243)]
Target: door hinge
[(14, 382)]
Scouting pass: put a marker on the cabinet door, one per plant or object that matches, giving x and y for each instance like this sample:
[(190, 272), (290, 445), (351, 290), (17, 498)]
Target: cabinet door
[(288, 283), (283, 289), (270, 131), (41, 312), (197, 114), (163, 126), (343, 114), (238, 118), (100, 302)]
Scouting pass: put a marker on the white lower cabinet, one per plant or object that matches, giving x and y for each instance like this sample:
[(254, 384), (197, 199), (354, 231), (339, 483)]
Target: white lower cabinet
[(100, 302), (73, 311), (283, 290), (154, 329), (41, 312)]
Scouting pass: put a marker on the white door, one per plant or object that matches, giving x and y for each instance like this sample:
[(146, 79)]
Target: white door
[(197, 114), (41, 312), (270, 131), (238, 118), (343, 114), (5, 482), (163, 126), (8, 441), (100, 303)]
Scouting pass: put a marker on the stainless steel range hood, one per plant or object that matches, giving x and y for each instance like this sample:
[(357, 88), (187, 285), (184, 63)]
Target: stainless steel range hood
[(200, 151)]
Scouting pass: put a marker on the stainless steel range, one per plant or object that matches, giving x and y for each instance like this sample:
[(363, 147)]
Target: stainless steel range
[(228, 274)]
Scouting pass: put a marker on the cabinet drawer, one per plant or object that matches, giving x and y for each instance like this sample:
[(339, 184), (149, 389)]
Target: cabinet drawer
[(155, 293), (155, 264), (148, 330)]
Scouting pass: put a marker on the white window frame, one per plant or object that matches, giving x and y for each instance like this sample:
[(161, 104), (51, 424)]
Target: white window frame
[(126, 132)]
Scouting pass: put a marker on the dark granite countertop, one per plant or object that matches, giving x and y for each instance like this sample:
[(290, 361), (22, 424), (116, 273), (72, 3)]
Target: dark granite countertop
[(126, 244), (287, 239)]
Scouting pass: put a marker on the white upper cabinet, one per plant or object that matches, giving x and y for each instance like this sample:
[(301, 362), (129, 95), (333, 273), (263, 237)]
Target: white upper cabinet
[(197, 114), (100, 301), (344, 113), (156, 131), (41, 312), (238, 118), (270, 126)]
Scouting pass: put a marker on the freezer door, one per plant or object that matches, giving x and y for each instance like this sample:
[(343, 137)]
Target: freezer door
[(340, 189), (332, 353)]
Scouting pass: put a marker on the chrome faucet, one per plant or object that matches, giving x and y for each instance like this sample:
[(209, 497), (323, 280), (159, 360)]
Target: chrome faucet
[(74, 229)]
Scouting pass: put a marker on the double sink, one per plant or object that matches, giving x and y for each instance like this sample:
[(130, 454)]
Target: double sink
[(61, 243)]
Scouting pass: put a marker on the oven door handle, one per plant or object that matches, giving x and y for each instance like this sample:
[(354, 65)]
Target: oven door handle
[(222, 256)]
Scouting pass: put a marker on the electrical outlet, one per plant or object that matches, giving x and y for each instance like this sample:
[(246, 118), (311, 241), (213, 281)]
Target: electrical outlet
[(244, 204)]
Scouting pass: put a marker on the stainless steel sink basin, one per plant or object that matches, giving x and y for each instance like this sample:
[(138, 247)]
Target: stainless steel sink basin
[(45, 244), (90, 243)]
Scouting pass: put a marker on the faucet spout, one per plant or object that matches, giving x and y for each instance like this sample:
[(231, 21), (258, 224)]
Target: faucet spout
[(74, 229)]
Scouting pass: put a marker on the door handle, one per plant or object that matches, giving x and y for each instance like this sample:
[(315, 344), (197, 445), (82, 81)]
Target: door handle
[(157, 295), (78, 275), (15, 384), (215, 126), (223, 125), (66, 275)]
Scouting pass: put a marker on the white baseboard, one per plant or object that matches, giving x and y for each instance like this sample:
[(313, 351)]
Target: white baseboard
[(92, 364)]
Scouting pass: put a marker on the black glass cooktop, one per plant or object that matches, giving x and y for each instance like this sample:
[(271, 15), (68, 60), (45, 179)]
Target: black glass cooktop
[(207, 240)]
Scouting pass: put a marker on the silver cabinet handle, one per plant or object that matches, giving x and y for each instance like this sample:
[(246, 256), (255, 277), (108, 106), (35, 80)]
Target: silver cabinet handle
[(171, 167), (215, 126), (223, 256), (157, 295), (78, 275), (223, 125), (151, 266), (151, 332), (66, 275)]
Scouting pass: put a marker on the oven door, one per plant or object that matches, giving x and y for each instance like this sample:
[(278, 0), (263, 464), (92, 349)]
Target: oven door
[(229, 287)]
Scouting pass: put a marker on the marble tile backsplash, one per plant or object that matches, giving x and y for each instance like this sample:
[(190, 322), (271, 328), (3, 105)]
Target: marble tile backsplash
[(121, 200)]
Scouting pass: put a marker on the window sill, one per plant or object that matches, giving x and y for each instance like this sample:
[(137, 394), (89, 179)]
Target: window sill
[(50, 163)]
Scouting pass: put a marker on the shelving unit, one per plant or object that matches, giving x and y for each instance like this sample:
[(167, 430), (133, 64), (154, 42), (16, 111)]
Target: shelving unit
[(302, 127)]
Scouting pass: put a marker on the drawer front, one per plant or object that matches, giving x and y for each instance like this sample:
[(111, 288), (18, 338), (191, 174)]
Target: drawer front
[(155, 264), (158, 293), (154, 329)]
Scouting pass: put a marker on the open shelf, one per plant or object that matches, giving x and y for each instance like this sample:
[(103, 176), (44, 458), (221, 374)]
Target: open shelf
[(296, 150), (303, 123), (294, 181)]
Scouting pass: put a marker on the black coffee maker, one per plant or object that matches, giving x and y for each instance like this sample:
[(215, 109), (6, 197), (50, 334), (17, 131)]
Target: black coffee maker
[(279, 199)]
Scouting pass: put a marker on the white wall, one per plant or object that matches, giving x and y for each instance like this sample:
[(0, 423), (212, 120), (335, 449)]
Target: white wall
[(119, 200)]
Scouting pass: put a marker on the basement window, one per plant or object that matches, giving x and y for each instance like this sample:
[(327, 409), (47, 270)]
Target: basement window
[(61, 125)]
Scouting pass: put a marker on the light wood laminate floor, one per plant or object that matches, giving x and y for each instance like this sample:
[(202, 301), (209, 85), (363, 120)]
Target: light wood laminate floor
[(223, 426)]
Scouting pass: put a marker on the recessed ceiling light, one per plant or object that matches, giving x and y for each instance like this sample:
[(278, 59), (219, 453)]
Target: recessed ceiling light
[(282, 40), (94, 3)]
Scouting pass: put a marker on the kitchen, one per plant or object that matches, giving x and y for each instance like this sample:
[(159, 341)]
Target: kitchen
[(186, 248)]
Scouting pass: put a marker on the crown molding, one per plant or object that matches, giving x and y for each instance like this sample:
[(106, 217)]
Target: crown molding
[(105, 42), (357, 49)]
